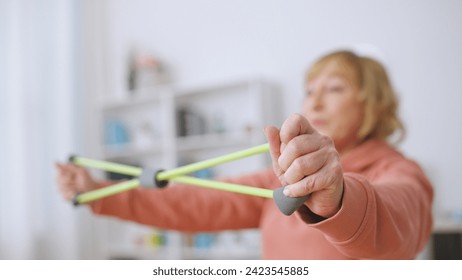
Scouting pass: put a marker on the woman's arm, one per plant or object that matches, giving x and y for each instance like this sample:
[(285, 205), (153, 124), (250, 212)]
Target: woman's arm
[(189, 208), (387, 218), (387, 215)]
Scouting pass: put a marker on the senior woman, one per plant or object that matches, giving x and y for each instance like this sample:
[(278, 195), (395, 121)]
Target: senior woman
[(366, 200)]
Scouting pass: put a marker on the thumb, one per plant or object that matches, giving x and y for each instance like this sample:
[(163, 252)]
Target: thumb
[(274, 141)]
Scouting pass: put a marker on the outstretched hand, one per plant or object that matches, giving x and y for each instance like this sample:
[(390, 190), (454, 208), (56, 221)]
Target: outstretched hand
[(73, 179), (307, 162)]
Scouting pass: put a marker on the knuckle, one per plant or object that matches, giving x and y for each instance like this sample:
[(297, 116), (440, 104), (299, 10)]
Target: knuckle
[(309, 184), (298, 142), (281, 164), (327, 141), (331, 178), (335, 161), (290, 148), (299, 165), (282, 180), (297, 118), (296, 146), (291, 178)]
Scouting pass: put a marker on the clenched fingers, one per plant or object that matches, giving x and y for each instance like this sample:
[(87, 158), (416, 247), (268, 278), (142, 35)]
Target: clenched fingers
[(295, 125)]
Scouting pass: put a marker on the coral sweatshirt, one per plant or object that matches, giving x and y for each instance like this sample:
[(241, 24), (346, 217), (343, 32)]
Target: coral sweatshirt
[(385, 212)]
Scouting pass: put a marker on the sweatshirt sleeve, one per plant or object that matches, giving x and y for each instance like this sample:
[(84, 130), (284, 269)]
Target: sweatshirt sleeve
[(188, 208), (388, 217)]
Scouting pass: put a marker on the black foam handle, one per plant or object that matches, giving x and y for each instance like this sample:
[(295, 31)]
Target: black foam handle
[(75, 202), (287, 205), (71, 158)]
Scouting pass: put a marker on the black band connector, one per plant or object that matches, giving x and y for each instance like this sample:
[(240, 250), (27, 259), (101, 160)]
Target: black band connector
[(160, 183), (75, 202), (71, 158)]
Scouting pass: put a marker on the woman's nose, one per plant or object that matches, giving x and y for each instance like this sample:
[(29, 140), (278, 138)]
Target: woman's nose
[(316, 100)]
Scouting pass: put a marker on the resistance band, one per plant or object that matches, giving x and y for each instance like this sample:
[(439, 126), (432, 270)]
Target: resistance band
[(160, 178)]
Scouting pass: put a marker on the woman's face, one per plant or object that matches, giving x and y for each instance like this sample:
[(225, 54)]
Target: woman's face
[(333, 108)]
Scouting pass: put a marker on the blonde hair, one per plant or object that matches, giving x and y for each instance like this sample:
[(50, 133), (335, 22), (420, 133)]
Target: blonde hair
[(380, 102)]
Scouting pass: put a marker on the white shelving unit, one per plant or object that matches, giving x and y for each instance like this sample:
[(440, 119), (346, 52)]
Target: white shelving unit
[(164, 127)]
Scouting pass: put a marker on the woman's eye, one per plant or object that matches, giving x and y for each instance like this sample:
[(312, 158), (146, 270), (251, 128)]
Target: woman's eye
[(336, 89)]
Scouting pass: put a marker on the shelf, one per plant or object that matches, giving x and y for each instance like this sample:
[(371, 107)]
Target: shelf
[(213, 88), (143, 97), (120, 152), (117, 251), (232, 112), (446, 225), (214, 140), (237, 253), (184, 144)]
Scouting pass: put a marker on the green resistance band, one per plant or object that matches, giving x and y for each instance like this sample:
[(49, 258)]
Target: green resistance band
[(167, 175), (134, 183), (174, 175), (286, 205)]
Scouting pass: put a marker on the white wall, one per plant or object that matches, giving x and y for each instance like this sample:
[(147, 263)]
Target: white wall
[(38, 117), (207, 41)]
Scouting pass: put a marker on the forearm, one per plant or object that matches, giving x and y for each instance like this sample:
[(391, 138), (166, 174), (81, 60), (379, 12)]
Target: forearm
[(186, 208), (380, 221)]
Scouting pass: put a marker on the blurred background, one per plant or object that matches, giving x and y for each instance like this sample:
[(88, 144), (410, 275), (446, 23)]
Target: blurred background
[(119, 79)]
